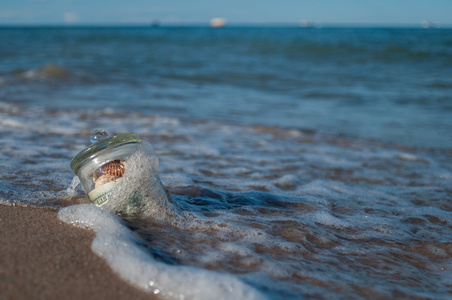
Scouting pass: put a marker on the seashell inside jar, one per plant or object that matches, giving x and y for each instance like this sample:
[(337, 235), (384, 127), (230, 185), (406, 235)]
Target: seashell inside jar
[(108, 172), (102, 165)]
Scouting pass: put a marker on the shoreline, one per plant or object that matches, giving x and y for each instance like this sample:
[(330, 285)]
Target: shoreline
[(44, 258)]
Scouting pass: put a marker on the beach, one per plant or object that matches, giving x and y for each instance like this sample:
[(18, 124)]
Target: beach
[(300, 163), (44, 258)]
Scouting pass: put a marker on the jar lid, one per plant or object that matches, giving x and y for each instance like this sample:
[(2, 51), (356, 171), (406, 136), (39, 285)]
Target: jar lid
[(100, 146)]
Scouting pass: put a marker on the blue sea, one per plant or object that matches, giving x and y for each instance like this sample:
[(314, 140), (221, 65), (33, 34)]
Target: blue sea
[(302, 162)]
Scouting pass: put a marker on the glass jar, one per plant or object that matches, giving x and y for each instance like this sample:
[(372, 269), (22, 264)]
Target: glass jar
[(120, 174), (101, 166)]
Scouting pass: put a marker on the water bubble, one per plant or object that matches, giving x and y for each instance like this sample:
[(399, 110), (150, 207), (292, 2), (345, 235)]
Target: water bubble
[(156, 291), (98, 135)]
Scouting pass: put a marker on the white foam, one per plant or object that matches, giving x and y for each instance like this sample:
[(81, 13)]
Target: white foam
[(323, 201), (287, 182), (350, 251), (324, 188), (327, 219), (177, 179), (141, 192), (198, 149), (9, 122), (120, 248), (408, 157)]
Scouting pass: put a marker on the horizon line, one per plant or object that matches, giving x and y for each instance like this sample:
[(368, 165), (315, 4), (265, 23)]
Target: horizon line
[(311, 24)]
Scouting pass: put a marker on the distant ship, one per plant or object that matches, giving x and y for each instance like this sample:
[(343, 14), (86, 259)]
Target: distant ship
[(429, 25), (309, 24), (217, 22), (305, 24)]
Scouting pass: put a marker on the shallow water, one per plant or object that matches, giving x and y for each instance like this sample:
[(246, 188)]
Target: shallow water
[(267, 200), (289, 213)]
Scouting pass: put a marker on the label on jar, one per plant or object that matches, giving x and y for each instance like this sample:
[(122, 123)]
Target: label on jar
[(100, 195)]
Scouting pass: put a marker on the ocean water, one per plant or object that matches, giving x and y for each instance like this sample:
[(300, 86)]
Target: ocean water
[(301, 163)]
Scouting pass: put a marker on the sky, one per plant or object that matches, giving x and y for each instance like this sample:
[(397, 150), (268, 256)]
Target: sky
[(92, 12)]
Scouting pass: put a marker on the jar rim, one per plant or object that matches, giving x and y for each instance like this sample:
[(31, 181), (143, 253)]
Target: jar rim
[(94, 149)]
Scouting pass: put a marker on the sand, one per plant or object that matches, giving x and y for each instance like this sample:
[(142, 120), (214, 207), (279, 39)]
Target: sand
[(44, 258)]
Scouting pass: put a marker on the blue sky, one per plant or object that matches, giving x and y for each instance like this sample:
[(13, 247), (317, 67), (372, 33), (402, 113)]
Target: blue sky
[(234, 11)]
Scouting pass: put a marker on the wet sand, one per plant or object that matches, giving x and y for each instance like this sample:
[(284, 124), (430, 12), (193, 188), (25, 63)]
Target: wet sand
[(44, 258)]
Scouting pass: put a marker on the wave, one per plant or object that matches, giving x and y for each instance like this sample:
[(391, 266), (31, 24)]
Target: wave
[(47, 73), (126, 255), (50, 71)]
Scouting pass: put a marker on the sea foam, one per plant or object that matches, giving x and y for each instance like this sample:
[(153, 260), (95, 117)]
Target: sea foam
[(294, 216), (126, 255)]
